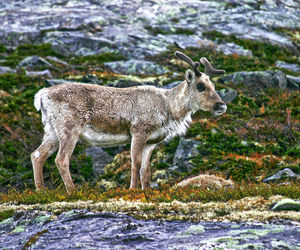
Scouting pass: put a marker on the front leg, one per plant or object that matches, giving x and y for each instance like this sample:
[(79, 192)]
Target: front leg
[(145, 172), (138, 143)]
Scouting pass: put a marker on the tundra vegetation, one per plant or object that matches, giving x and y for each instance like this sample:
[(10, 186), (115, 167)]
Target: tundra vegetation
[(258, 136)]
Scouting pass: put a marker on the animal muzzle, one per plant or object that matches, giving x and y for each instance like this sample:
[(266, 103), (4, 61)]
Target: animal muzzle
[(219, 108)]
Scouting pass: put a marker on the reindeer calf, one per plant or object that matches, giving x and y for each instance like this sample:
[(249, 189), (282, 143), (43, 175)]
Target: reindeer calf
[(108, 117)]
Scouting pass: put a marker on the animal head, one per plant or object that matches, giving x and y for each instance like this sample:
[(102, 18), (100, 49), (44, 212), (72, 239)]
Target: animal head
[(203, 95)]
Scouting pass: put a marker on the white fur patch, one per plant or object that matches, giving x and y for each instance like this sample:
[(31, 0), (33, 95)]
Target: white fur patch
[(36, 154), (173, 128), (103, 139)]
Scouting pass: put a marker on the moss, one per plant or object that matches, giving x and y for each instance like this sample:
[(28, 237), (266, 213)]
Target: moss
[(5, 214), (2, 48)]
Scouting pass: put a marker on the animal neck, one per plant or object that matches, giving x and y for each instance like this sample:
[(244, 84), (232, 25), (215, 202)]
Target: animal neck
[(178, 101)]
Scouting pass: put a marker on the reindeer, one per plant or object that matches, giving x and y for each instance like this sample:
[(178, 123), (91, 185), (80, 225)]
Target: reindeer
[(105, 116)]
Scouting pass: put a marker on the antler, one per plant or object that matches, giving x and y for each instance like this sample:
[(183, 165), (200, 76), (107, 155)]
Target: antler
[(209, 70), (188, 60)]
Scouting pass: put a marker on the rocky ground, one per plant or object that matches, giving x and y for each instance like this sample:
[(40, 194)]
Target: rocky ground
[(129, 43)]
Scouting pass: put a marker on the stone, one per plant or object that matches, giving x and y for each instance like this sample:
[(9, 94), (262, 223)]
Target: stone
[(227, 95), (282, 175), (171, 85), (107, 185), (135, 67), (206, 181), (258, 79), (75, 27), (4, 70), (286, 205), (293, 82), (91, 79), (45, 73), (289, 66), (57, 60), (185, 151), (99, 158), (233, 49), (34, 62)]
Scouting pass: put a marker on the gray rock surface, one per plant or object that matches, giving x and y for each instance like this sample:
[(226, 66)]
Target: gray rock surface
[(233, 49), (34, 62), (45, 73), (185, 151), (93, 230), (293, 82), (84, 27), (258, 79), (227, 95), (288, 66), (135, 67), (282, 175), (286, 205), (99, 158), (4, 69)]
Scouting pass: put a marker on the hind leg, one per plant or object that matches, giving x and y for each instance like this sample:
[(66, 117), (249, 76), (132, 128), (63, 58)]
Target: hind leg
[(67, 143), (42, 153)]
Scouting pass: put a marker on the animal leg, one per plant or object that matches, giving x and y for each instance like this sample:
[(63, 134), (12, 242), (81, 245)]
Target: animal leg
[(42, 153), (137, 144), (145, 172), (66, 147)]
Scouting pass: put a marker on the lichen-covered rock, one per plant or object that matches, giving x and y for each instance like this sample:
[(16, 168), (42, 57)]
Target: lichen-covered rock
[(258, 79), (4, 69), (233, 49), (135, 67), (293, 82), (288, 66), (286, 205), (34, 62), (206, 181), (282, 175), (44, 73), (185, 151), (125, 27), (99, 158), (227, 95)]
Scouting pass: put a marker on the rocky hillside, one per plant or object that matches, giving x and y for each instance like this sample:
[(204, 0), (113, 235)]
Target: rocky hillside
[(128, 43)]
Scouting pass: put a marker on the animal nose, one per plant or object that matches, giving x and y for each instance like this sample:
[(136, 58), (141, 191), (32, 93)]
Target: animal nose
[(220, 107)]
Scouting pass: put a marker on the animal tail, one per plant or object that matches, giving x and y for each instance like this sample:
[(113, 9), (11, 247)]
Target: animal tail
[(38, 99)]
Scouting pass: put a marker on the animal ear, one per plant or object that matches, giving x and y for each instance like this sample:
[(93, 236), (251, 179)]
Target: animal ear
[(189, 76)]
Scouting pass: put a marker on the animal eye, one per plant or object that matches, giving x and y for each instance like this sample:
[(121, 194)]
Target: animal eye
[(201, 87)]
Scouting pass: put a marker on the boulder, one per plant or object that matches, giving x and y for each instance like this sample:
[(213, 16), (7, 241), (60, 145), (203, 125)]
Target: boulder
[(258, 79), (233, 49), (282, 175), (4, 70), (289, 66), (91, 79), (206, 181), (34, 62), (227, 95), (135, 67), (293, 82), (99, 158), (286, 205), (45, 73), (185, 151)]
